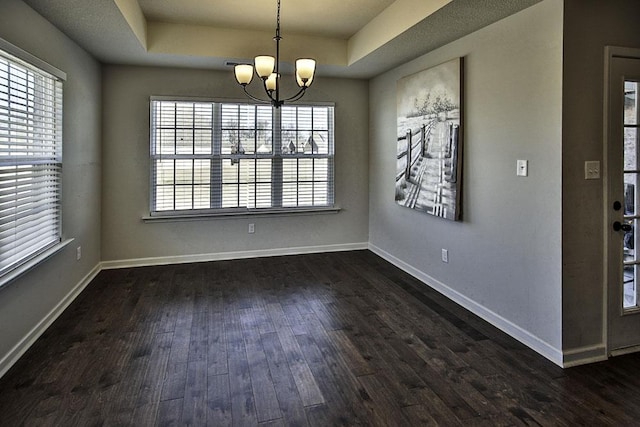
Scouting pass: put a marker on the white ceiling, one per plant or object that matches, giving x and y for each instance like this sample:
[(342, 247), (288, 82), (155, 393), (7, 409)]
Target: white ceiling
[(349, 38), (333, 18)]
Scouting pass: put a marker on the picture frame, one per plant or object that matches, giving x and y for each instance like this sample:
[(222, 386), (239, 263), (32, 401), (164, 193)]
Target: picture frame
[(430, 140)]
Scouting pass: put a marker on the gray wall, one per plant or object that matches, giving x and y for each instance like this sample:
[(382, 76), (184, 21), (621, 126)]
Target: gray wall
[(126, 92), (588, 27), (505, 256), (27, 300)]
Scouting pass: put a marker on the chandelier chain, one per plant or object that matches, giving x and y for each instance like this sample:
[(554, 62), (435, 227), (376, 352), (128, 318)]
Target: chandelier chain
[(278, 21)]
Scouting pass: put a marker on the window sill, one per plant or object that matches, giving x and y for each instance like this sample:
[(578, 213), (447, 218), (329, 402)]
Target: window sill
[(239, 214), (33, 262)]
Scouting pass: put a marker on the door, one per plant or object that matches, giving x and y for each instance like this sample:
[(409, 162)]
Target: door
[(623, 166)]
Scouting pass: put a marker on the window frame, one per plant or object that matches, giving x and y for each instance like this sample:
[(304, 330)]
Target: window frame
[(275, 208), (33, 258)]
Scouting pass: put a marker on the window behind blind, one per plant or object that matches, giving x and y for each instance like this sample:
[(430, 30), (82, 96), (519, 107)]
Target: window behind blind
[(30, 160), (224, 156)]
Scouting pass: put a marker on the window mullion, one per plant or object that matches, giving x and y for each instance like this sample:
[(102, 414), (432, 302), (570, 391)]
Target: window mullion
[(297, 159), (193, 152), (330, 160), (276, 162), (174, 186), (256, 125), (313, 161), (216, 160), (239, 142)]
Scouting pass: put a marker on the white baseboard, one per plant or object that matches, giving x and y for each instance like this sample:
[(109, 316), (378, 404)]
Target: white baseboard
[(564, 359), (221, 256), (9, 359), (583, 355), (515, 331)]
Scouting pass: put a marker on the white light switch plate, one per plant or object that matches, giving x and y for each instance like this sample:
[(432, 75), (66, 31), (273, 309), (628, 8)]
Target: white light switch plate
[(522, 167), (592, 169)]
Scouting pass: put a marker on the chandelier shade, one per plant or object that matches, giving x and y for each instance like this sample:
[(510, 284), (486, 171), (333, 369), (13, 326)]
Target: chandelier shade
[(244, 73), (271, 83), (265, 66), (268, 69), (305, 69)]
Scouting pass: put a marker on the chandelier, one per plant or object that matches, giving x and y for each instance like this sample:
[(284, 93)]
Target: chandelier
[(268, 69)]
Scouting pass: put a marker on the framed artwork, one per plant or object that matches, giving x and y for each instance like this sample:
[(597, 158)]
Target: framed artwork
[(429, 143)]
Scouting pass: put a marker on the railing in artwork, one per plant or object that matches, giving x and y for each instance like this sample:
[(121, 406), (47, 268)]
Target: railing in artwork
[(416, 147), (452, 151), (427, 166)]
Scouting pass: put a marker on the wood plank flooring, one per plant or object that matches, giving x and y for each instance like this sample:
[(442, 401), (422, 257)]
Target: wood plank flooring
[(318, 340)]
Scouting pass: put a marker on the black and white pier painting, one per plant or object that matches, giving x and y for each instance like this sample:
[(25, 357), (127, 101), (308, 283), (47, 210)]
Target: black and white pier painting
[(429, 154)]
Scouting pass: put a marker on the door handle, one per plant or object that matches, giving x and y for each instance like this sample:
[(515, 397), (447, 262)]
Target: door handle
[(617, 226)]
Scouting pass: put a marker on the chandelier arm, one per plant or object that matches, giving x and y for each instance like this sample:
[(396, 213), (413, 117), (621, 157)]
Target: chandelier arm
[(297, 96), (272, 100), (264, 101)]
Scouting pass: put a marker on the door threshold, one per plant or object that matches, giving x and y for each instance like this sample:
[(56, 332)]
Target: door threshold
[(625, 350)]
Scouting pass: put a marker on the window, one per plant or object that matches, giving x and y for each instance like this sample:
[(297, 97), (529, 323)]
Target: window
[(30, 159), (216, 157)]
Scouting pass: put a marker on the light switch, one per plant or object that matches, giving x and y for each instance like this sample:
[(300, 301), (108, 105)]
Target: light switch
[(592, 169), (522, 168)]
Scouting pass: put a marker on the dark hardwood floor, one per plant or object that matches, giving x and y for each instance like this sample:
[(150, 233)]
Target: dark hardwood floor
[(326, 339)]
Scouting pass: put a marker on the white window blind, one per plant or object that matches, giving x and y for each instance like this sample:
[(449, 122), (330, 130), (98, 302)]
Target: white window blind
[(30, 161), (222, 156)]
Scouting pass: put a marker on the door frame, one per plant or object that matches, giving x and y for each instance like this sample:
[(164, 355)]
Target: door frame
[(610, 53)]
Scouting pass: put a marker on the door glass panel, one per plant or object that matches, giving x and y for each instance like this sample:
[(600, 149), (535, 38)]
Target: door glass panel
[(630, 103), (630, 267), (629, 194), (631, 187), (630, 156), (629, 286)]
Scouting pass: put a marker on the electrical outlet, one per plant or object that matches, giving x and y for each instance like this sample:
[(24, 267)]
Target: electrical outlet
[(252, 228), (445, 255), (78, 253)]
